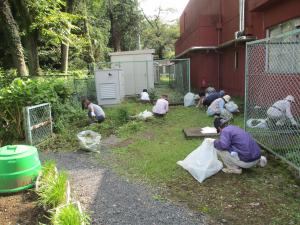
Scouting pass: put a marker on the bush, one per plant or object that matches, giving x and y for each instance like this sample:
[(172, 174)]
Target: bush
[(21, 93)]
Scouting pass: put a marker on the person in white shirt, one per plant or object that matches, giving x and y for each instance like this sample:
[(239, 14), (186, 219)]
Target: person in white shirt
[(95, 112), (280, 112), (145, 96), (161, 107)]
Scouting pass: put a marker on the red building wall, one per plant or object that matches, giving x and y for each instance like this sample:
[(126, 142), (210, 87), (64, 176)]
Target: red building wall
[(213, 22)]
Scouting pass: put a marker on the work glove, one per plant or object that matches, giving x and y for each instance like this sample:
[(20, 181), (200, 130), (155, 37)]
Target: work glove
[(93, 114)]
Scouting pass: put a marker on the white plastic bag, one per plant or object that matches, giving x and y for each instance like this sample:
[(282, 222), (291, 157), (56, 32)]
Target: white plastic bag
[(189, 99), (89, 140), (209, 130), (257, 123), (203, 161), (144, 115), (231, 107)]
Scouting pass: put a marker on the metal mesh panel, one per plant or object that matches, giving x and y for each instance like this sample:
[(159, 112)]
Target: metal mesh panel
[(38, 123), (273, 73), (85, 88), (178, 72)]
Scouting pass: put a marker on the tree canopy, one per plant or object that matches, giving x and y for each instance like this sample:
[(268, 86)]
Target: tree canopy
[(41, 35)]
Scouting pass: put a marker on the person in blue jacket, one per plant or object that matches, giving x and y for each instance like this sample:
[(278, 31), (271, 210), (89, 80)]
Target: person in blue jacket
[(236, 148)]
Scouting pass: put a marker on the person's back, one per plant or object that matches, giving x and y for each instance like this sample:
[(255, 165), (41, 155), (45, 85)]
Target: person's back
[(209, 90), (216, 106), (235, 139), (145, 95), (97, 110), (161, 107), (281, 105), (213, 96)]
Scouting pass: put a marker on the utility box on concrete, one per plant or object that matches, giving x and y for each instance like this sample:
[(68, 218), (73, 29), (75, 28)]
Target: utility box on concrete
[(109, 86), (138, 69)]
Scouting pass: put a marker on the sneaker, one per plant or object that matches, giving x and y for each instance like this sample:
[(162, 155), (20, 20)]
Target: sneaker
[(231, 170), (263, 161)]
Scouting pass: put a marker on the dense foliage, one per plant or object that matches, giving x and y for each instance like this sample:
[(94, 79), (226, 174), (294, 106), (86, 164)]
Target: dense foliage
[(38, 35), (21, 93)]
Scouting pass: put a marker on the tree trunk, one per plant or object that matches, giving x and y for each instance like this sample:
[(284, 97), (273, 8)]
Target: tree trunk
[(64, 57), (90, 55), (32, 53), (31, 37), (116, 37), (65, 46), (14, 37)]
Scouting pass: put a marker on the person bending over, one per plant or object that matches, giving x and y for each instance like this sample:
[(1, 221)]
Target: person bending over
[(217, 107), (95, 112), (213, 96), (161, 107), (280, 112), (236, 148), (145, 96)]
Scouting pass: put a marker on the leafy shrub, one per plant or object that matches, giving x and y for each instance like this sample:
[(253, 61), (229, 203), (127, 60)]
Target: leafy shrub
[(152, 94), (69, 215), (21, 93)]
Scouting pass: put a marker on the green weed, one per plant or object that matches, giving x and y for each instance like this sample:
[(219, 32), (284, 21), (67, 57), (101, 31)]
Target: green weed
[(69, 215), (53, 193)]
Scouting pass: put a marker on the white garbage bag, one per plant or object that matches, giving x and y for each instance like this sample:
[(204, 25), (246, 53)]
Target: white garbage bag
[(144, 115), (203, 161), (231, 107), (89, 140), (189, 99), (257, 123)]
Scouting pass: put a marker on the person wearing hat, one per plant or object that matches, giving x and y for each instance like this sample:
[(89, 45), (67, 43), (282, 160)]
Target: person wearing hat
[(217, 106), (280, 112), (236, 148)]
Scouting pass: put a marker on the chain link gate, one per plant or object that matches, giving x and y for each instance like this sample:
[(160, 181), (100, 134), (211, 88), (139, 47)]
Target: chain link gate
[(38, 123), (273, 73)]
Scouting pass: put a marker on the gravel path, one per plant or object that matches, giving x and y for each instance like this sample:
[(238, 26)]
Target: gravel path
[(114, 200)]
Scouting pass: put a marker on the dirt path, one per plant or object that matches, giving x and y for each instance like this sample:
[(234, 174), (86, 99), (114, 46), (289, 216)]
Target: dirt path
[(114, 200)]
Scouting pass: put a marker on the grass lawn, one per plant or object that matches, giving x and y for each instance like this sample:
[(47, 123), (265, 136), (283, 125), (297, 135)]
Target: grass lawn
[(259, 196)]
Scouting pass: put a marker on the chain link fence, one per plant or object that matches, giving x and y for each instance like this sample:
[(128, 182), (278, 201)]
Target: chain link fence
[(85, 88), (37, 123), (272, 95), (173, 72)]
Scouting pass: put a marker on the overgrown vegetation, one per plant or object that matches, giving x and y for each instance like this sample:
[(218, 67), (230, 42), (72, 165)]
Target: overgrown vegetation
[(21, 93), (52, 195), (69, 215), (53, 192)]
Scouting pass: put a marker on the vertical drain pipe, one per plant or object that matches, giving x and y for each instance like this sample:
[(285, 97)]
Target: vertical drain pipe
[(242, 17)]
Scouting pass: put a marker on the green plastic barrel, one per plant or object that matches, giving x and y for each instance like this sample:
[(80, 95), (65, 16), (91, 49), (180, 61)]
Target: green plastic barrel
[(19, 167)]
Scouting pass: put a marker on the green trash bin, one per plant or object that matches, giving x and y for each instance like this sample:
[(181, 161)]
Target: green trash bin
[(19, 167)]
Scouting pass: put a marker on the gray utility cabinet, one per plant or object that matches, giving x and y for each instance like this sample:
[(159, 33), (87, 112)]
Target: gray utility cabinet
[(110, 86)]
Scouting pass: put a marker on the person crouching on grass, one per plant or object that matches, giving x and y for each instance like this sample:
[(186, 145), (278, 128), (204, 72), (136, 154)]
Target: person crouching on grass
[(145, 96), (95, 112), (161, 107), (236, 148)]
